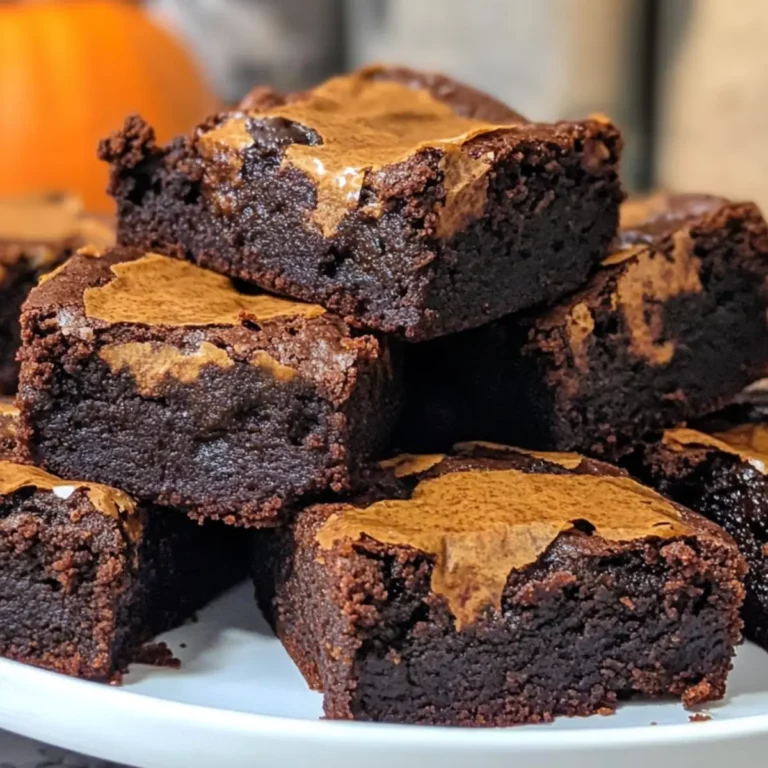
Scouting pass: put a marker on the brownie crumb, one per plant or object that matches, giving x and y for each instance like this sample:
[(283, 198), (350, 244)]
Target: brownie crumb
[(697, 694), (700, 717), (157, 655)]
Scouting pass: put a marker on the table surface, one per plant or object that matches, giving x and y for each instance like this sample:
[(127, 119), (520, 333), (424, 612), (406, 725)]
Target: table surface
[(17, 752)]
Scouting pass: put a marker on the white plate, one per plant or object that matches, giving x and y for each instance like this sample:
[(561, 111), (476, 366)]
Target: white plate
[(238, 702)]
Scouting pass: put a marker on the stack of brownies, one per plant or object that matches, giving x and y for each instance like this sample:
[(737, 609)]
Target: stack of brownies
[(329, 317)]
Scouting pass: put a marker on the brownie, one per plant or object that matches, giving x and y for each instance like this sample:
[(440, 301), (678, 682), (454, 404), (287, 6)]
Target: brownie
[(495, 587), (723, 474), (673, 326), (87, 575), (167, 381), (404, 201), (9, 418), (36, 234)]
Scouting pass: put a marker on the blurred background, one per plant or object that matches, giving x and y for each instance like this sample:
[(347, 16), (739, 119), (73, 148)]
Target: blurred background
[(687, 80)]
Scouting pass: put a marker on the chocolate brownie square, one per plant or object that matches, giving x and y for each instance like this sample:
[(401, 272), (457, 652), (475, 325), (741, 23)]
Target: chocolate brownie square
[(496, 587), (87, 575), (36, 234), (9, 418), (167, 381), (404, 201), (722, 473), (672, 327)]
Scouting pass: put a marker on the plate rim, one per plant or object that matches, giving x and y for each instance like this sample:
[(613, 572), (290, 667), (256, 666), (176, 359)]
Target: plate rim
[(167, 712)]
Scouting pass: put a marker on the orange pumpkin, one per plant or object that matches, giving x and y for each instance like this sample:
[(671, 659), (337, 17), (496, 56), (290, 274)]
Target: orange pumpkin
[(70, 71)]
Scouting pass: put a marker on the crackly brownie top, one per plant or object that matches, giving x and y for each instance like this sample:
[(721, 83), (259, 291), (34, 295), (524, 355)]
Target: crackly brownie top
[(748, 442), (107, 501), (158, 290), (489, 510), (654, 261), (39, 228), (165, 319), (123, 285), (359, 123), (9, 415)]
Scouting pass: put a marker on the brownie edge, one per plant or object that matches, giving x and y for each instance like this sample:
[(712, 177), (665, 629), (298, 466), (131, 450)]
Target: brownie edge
[(36, 234)]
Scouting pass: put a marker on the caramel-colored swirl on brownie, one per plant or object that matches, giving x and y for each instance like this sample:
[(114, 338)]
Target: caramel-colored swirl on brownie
[(408, 464), (7, 409), (361, 124), (275, 368), (158, 290), (647, 283), (653, 262), (748, 442), (481, 525), (750, 439), (151, 363), (107, 501)]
